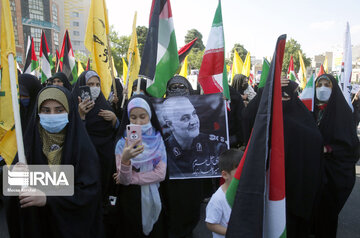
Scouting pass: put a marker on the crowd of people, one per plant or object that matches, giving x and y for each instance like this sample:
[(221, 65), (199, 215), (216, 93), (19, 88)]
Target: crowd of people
[(122, 189)]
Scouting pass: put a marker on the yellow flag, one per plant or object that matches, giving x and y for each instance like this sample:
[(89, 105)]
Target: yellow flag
[(135, 58), (80, 68), (325, 64), (247, 64), (96, 42), (237, 65), (8, 147), (303, 71), (184, 68), (125, 69)]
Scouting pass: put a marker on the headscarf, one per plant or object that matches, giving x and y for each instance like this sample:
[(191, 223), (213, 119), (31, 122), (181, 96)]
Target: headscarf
[(240, 83), (178, 79), (80, 213), (63, 78), (89, 74), (119, 90), (29, 85), (154, 152)]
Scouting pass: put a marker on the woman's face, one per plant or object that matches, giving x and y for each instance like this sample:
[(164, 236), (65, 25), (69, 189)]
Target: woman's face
[(139, 116), (58, 82), (323, 82), (93, 82), (52, 107)]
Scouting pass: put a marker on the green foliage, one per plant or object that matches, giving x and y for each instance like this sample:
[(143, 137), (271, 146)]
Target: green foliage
[(192, 34), (119, 48), (241, 51), (141, 32), (195, 58), (292, 47)]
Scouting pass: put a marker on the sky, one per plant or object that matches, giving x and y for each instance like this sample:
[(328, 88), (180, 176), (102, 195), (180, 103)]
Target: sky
[(318, 25)]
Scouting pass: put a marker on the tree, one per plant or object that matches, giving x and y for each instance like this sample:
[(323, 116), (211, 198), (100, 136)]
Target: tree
[(192, 34), (195, 58), (292, 47), (119, 47), (141, 32), (241, 51)]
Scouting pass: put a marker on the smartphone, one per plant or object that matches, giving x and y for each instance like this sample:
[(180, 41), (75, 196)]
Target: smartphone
[(85, 93), (133, 133)]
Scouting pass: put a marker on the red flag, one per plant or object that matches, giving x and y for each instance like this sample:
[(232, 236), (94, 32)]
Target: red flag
[(185, 50), (321, 71)]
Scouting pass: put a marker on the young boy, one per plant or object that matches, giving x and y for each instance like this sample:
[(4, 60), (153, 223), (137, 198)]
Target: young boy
[(218, 210)]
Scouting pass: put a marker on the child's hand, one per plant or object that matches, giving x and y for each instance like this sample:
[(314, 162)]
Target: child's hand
[(131, 151)]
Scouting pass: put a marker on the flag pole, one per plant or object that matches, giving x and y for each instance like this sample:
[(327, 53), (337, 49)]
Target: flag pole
[(15, 103), (111, 64), (127, 82), (138, 85)]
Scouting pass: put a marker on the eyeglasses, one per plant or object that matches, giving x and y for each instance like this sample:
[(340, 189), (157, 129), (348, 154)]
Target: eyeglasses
[(177, 86)]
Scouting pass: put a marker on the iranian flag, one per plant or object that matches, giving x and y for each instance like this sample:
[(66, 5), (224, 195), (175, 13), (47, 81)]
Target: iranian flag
[(257, 192), (213, 75), (307, 95), (31, 62), (160, 59), (44, 59), (67, 60), (291, 71)]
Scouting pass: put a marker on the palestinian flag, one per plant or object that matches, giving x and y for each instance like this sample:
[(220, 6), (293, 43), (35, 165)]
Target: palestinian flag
[(31, 62), (185, 50), (291, 71), (307, 95), (160, 59), (44, 59), (264, 73), (213, 75), (258, 208), (67, 60)]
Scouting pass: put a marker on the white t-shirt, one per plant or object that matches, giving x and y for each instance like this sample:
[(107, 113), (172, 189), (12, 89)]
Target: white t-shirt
[(218, 211)]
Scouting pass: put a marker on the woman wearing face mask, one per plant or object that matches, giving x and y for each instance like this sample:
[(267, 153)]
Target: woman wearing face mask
[(29, 87), (140, 169), (60, 80), (335, 121), (100, 122), (56, 136)]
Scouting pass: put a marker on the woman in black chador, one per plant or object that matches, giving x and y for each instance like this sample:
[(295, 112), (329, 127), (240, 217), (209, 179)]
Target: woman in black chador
[(56, 136), (335, 121)]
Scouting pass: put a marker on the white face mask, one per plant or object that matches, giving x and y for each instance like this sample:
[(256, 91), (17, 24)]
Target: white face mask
[(95, 92), (323, 93)]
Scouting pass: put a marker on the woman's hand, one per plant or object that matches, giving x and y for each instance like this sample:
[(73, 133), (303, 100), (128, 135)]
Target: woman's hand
[(85, 106), (284, 82), (108, 116), (131, 151), (35, 198)]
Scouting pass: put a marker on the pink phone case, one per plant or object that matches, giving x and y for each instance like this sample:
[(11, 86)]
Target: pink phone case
[(133, 133)]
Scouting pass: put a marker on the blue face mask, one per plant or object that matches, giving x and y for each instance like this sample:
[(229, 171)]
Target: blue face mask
[(25, 102), (145, 128), (54, 123)]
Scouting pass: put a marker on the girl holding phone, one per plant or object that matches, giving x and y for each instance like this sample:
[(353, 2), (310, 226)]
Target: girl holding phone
[(141, 166)]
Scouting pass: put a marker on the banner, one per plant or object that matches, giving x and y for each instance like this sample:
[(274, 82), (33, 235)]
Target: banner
[(196, 132)]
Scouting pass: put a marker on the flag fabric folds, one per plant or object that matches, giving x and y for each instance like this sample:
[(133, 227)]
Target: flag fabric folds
[(325, 64), (247, 65), (8, 145), (67, 60), (307, 95), (125, 69), (44, 59), (237, 65), (88, 65), (259, 206), (346, 67), (213, 75), (160, 59), (96, 41), (302, 75), (184, 68), (321, 71), (31, 62), (264, 73), (80, 69), (291, 71), (133, 57), (185, 50)]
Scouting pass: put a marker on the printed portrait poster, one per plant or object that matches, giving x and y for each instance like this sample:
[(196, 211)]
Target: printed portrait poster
[(195, 132)]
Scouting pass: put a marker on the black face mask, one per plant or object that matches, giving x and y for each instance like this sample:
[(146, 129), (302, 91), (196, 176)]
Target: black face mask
[(177, 89)]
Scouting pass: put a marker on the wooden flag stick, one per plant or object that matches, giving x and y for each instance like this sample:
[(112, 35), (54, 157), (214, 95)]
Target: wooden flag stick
[(16, 110), (138, 85)]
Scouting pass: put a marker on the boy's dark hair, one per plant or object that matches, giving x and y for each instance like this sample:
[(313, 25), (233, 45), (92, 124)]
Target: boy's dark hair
[(230, 159)]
